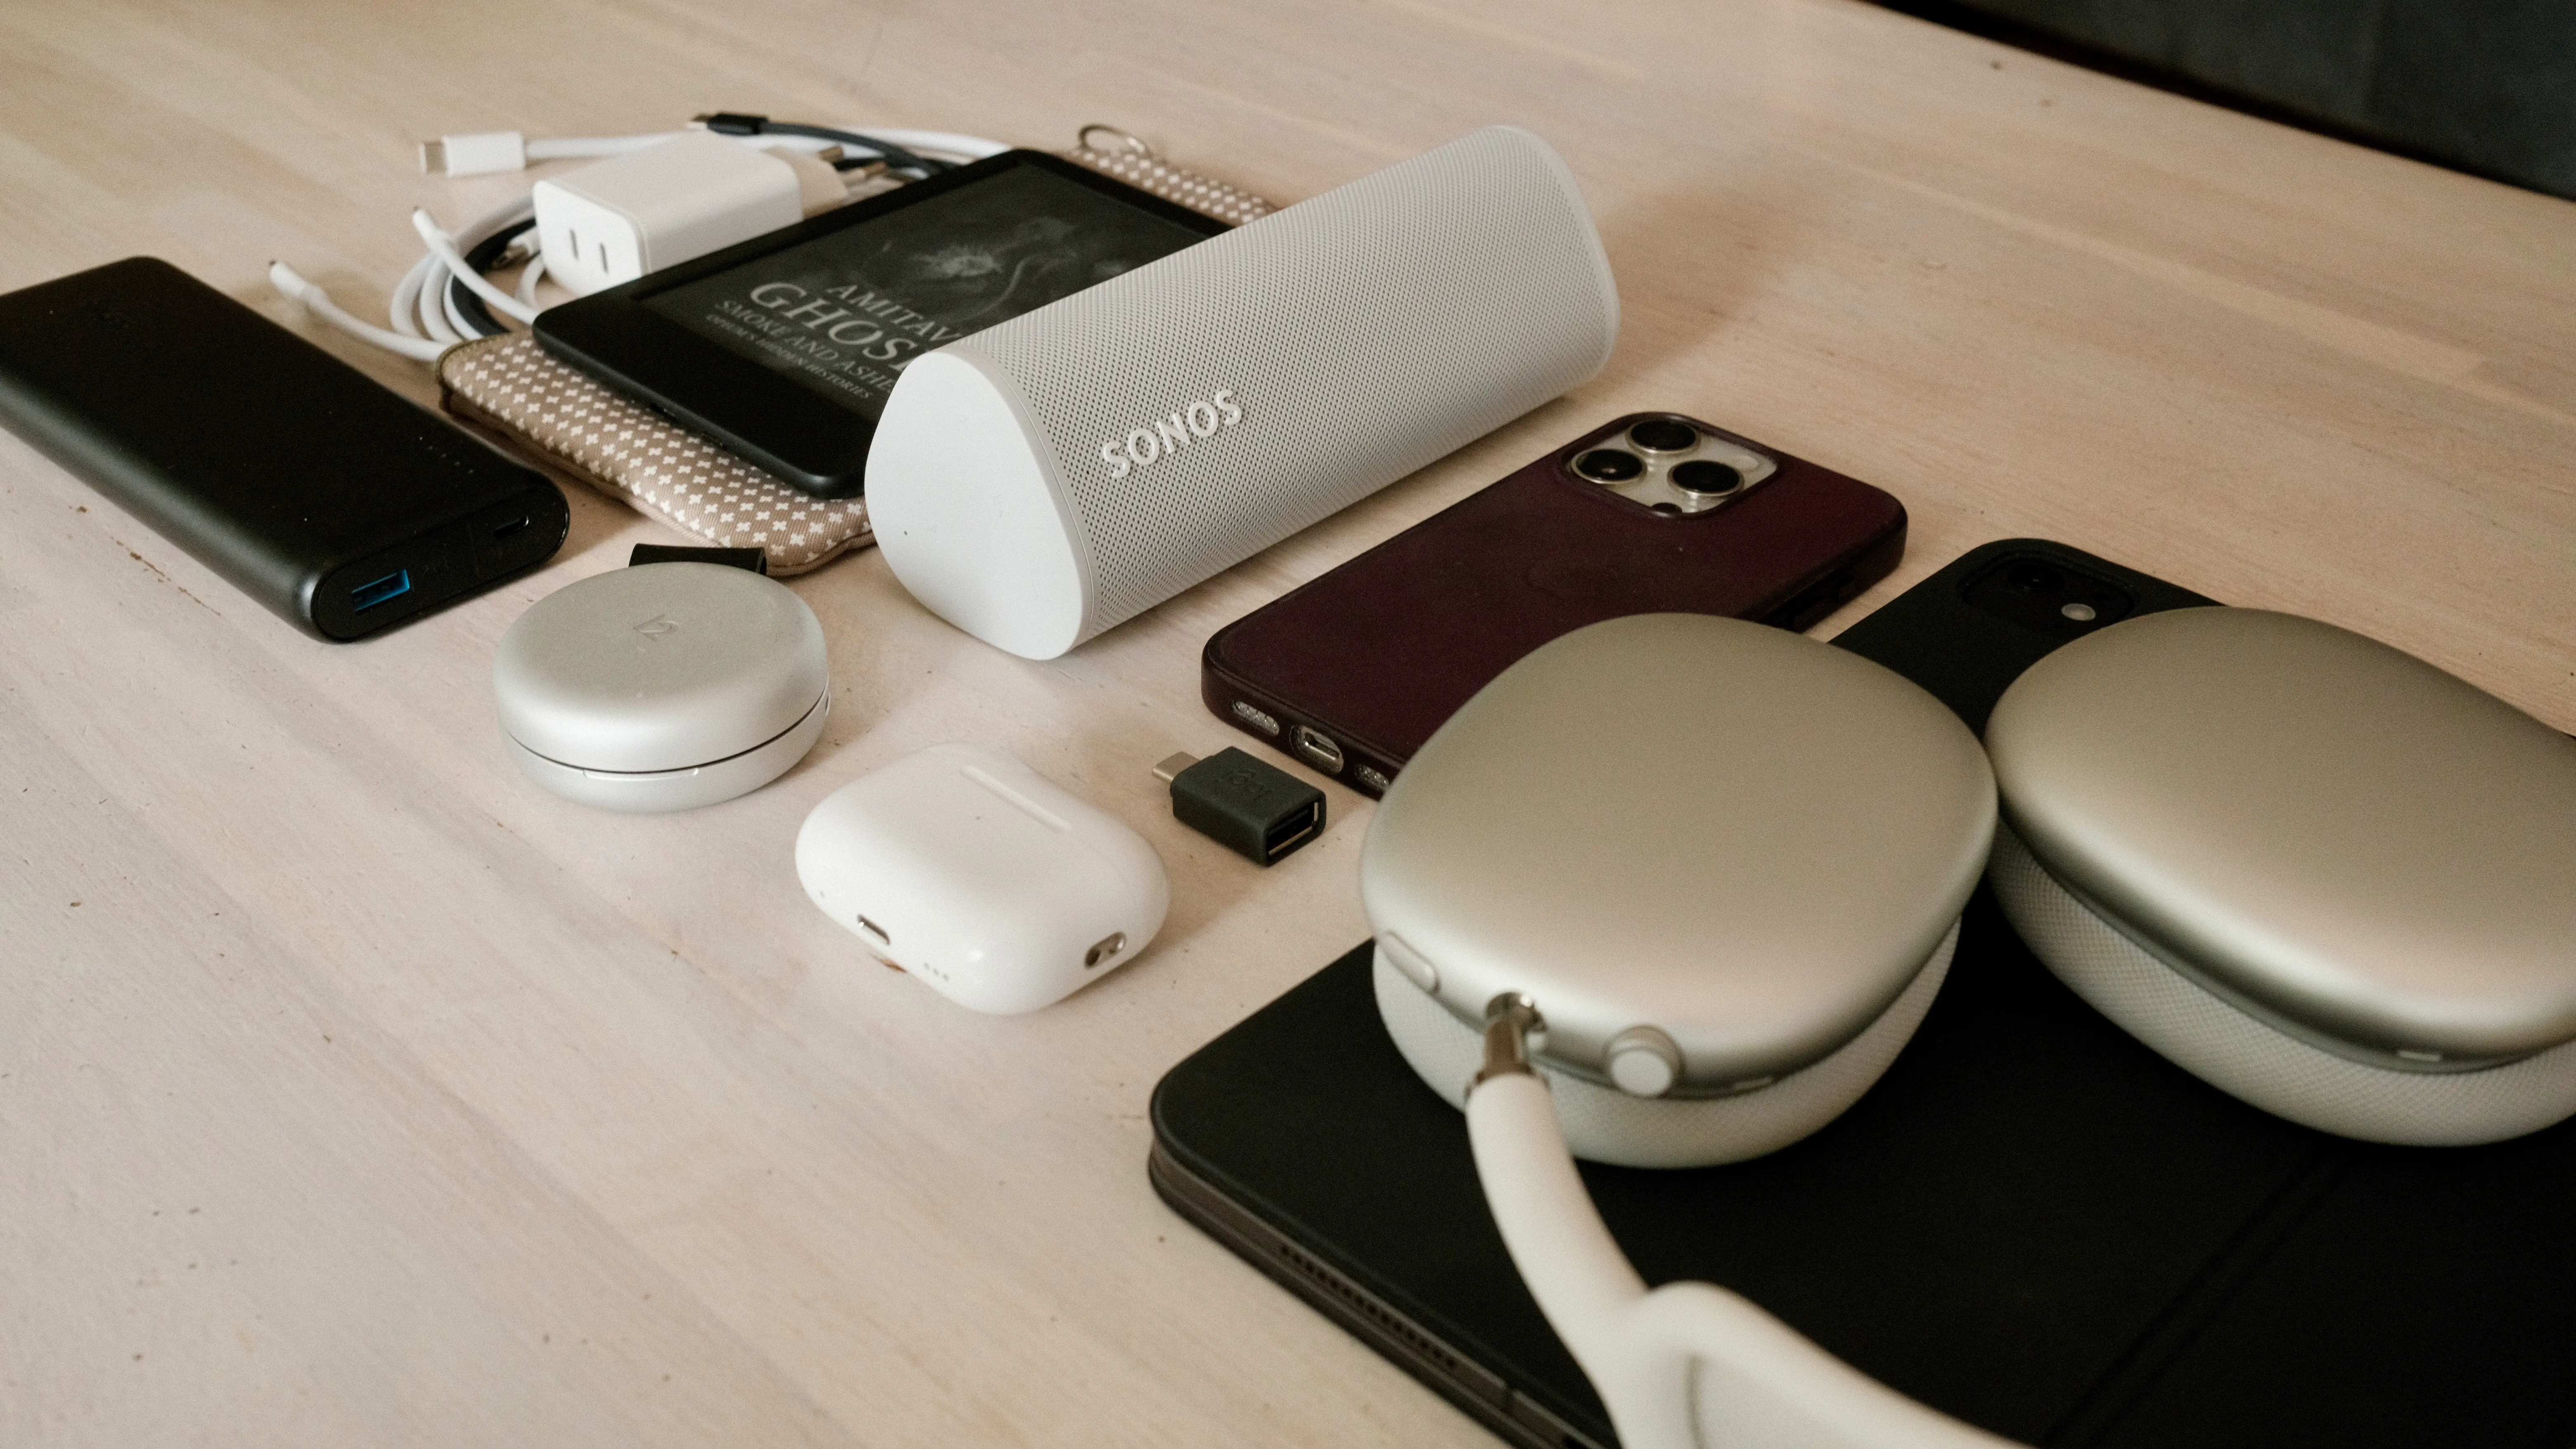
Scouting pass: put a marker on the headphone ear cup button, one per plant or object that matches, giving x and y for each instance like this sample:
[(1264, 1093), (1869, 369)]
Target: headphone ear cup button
[(1644, 1062), (1394, 951)]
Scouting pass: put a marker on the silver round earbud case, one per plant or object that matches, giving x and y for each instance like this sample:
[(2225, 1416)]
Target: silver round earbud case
[(663, 687), (1725, 862)]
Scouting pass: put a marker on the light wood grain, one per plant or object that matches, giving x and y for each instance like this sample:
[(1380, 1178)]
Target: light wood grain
[(354, 1092)]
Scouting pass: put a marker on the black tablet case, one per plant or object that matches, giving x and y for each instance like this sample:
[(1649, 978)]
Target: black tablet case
[(2032, 1222)]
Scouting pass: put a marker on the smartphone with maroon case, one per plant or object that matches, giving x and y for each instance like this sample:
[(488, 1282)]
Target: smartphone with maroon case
[(1651, 513)]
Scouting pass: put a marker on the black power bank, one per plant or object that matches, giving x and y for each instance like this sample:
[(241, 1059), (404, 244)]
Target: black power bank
[(306, 484)]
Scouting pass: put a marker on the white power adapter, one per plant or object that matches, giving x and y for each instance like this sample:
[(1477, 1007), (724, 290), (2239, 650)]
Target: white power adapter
[(668, 202)]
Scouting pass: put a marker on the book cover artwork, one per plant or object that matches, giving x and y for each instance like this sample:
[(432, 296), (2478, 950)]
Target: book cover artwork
[(843, 313)]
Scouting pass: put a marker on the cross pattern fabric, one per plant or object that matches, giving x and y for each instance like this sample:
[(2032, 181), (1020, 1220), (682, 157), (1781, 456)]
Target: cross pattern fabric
[(662, 469)]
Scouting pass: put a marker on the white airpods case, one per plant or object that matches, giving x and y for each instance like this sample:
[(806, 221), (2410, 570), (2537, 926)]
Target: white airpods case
[(2314, 871), (663, 687), (982, 877)]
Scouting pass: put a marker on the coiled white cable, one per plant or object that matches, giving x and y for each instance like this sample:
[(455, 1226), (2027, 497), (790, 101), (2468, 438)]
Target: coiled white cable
[(313, 299), (422, 310), (946, 145), (443, 247), (1687, 1365), (529, 275)]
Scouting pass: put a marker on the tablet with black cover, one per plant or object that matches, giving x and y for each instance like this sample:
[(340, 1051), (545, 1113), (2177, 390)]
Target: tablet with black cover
[(2032, 1222), (784, 347)]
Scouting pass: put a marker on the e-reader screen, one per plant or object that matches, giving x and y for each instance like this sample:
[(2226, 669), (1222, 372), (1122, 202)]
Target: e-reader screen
[(842, 313)]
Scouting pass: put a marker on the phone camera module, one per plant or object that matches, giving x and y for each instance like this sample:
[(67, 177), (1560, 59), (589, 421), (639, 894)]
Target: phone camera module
[(2032, 577), (1707, 479), (1672, 466), (1609, 465), (1664, 435), (2053, 598)]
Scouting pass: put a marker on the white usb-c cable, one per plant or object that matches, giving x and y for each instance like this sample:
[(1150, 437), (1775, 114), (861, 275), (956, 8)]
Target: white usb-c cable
[(291, 285), (423, 312), (443, 247), (1684, 1366)]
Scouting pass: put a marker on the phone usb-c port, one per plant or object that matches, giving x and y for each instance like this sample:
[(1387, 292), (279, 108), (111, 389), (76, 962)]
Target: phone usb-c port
[(504, 530), (392, 586), (1319, 749)]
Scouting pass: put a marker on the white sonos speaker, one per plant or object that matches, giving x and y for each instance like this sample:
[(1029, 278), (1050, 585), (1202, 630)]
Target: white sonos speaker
[(1053, 476)]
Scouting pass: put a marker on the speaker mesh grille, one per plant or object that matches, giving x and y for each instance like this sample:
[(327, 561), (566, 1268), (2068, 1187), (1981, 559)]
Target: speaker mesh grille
[(2254, 1062), (1362, 334)]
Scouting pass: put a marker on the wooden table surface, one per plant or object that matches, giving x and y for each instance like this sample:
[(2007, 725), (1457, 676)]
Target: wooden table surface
[(353, 1091)]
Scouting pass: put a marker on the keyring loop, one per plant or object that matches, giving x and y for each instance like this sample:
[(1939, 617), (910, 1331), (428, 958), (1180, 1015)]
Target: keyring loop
[(1082, 138)]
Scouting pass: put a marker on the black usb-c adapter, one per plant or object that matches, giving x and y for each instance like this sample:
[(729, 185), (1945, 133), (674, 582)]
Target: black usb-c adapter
[(305, 483), (1256, 810)]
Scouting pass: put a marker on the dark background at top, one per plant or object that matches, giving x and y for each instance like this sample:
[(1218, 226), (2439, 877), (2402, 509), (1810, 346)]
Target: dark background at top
[(2483, 86)]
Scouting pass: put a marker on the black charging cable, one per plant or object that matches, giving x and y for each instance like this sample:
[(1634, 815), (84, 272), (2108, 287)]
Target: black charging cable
[(735, 123), (485, 255)]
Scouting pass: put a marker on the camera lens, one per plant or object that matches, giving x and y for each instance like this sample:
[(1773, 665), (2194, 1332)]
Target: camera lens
[(2031, 577), (1701, 476), (1609, 465), (1663, 435)]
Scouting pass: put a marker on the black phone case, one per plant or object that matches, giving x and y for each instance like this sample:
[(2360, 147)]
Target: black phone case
[(2032, 1222), (1353, 670)]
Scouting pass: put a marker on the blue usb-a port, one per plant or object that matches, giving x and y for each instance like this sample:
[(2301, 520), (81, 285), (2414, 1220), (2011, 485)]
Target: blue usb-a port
[(392, 586)]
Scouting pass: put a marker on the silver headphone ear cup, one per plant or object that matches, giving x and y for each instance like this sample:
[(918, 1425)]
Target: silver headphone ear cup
[(2255, 1062), (1604, 1124)]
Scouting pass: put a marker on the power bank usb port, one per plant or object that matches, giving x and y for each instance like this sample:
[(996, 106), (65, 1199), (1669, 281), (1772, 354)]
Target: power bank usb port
[(392, 586), (504, 530)]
